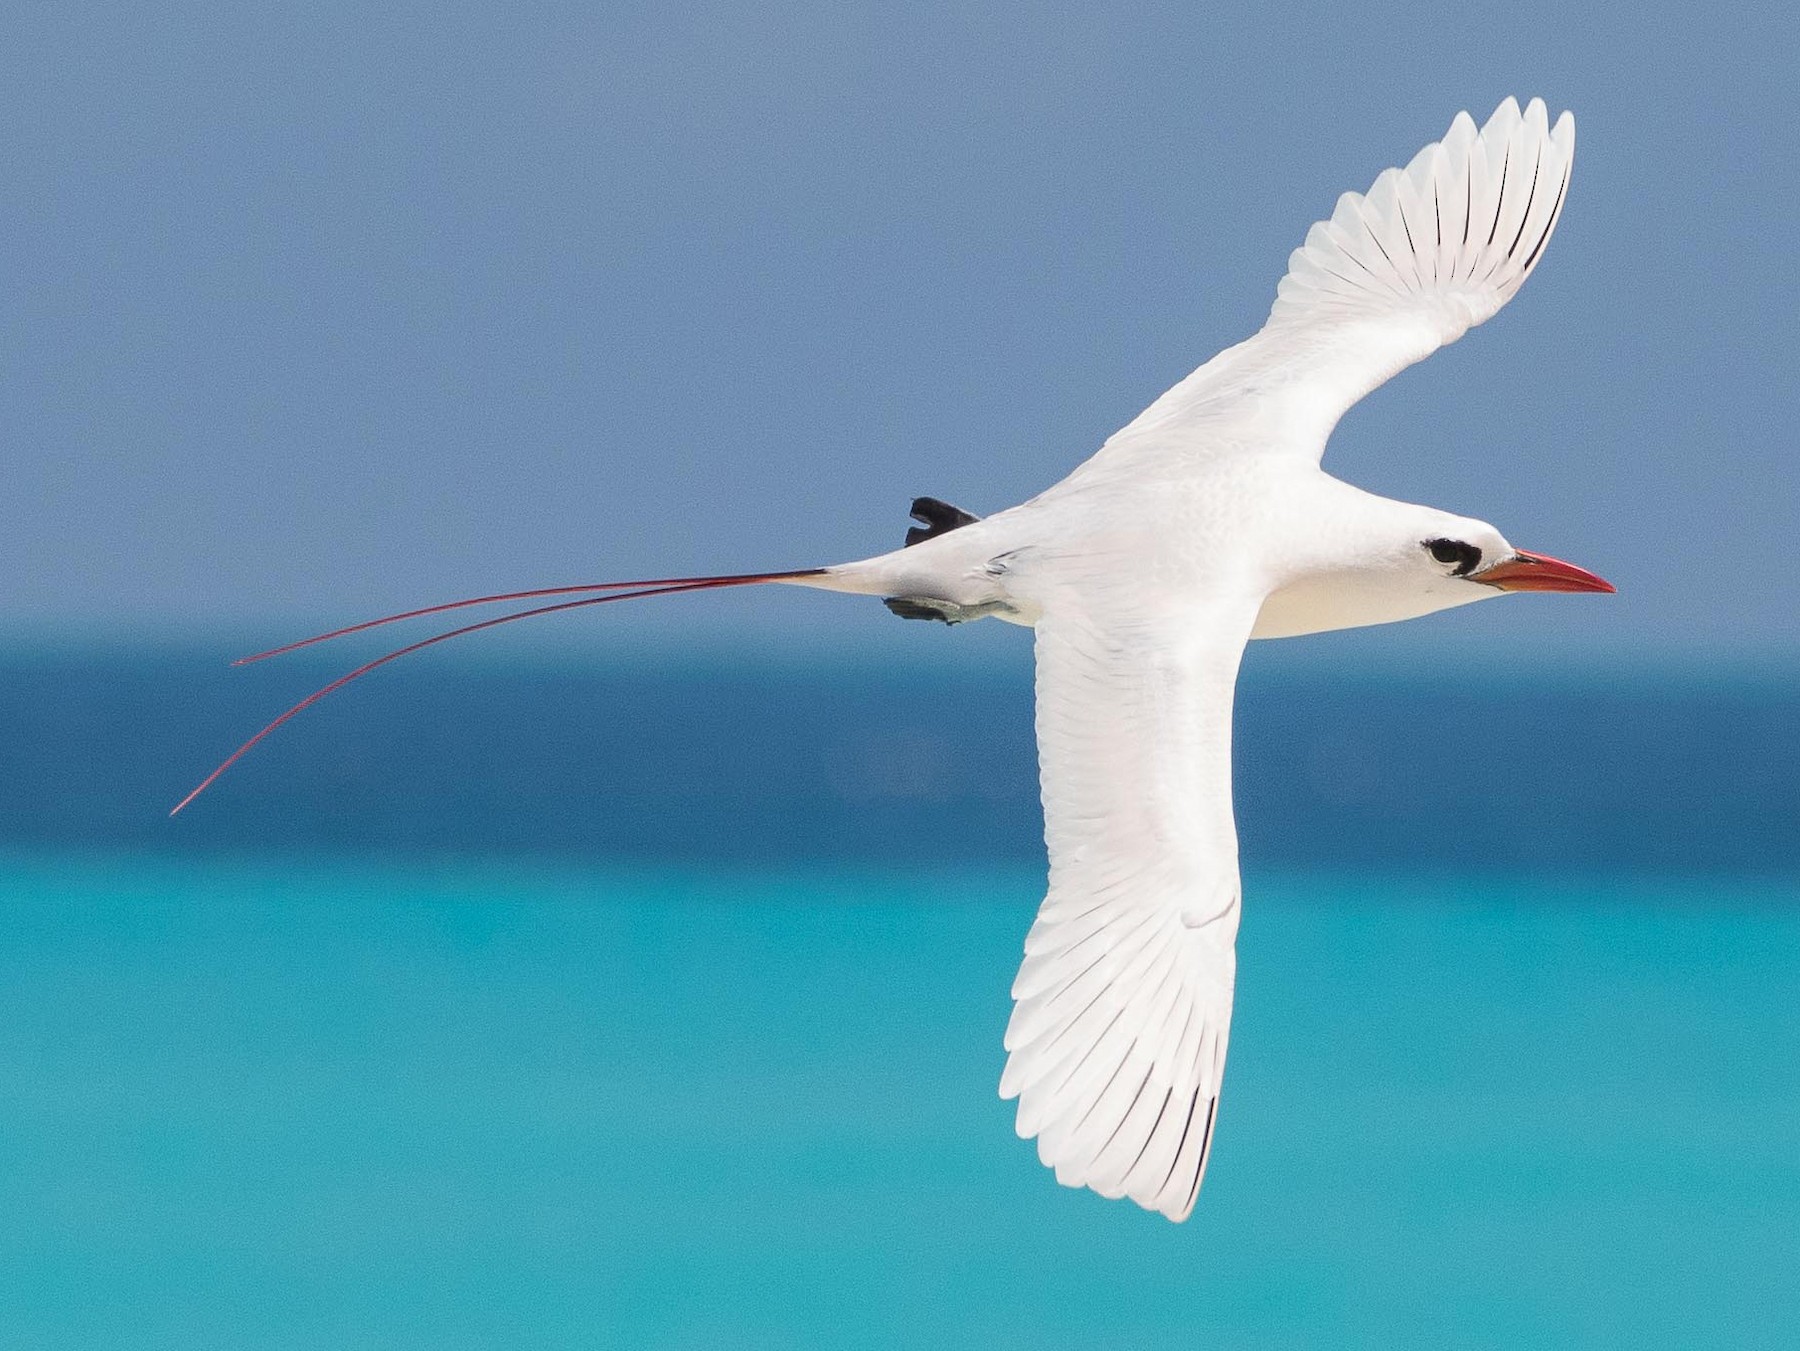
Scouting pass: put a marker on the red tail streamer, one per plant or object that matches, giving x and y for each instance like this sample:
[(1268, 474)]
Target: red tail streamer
[(672, 587), (692, 583)]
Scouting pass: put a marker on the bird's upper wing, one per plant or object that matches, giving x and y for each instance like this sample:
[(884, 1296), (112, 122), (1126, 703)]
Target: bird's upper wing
[(1123, 1004), (1432, 250)]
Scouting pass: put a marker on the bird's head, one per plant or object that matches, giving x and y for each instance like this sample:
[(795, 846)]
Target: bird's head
[(1449, 554), (1383, 561)]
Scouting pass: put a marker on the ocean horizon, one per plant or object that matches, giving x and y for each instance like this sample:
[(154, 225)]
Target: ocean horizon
[(1618, 766)]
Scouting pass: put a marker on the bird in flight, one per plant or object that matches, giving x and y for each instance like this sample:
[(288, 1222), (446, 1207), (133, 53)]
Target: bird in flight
[(1203, 523)]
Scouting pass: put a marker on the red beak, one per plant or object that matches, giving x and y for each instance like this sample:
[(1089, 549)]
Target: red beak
[(1540, 572)]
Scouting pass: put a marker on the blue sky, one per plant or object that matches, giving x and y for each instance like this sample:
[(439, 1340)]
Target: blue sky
[(316, 311)]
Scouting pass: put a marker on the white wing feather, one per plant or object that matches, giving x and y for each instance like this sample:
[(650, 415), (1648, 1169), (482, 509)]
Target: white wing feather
[(1429, 252), (1122, 1007), (1118, 1036)]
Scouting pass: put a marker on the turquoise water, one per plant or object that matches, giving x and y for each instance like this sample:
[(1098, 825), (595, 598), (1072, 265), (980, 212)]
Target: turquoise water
[(252, 1104)]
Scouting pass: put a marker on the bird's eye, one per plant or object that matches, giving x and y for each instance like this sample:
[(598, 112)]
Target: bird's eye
[(1466, 556)]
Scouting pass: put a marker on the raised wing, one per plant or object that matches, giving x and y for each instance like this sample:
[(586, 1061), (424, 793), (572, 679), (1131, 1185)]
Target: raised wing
[(1429, 252), (1123, 1004)]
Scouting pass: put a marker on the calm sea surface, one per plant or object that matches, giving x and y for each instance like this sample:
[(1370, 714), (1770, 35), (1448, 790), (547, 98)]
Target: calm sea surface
[(248, 1103), (894, 765), (661, 1006)]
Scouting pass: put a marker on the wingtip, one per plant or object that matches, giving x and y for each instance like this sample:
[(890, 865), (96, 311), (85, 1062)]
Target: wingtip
[(1507, 115), (1563, 133)]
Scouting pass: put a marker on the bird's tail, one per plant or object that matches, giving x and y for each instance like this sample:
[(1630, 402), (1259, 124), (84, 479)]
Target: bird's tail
[(852, 577)]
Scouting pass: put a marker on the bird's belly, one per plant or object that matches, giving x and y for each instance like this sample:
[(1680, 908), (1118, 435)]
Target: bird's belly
[(1322, 604)]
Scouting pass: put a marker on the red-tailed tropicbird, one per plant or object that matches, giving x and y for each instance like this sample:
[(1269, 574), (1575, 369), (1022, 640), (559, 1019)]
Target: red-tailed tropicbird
[(1203, 523)]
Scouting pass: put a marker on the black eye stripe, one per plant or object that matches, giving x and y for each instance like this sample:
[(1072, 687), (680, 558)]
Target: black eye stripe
[(1466, 556)]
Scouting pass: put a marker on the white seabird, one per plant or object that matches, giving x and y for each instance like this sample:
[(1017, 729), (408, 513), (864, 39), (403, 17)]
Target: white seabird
[(1203, 523)]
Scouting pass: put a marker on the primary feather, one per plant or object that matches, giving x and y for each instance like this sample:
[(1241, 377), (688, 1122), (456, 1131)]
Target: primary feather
[(1122, 1007), (1117, 1040), (1426, 254)]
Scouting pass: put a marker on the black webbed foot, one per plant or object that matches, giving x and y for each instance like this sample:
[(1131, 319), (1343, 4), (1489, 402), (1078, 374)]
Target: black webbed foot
[(937, 518), (908, 608)]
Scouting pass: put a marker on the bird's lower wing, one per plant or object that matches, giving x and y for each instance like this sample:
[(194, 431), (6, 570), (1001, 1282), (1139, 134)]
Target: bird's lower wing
[(1123, 1004), (1429, 252)]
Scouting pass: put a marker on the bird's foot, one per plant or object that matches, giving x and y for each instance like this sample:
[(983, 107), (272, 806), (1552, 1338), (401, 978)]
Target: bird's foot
[(936, 518), (945, 612)]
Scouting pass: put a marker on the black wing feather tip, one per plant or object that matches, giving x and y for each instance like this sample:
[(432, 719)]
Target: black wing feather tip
[(1499, 197), (1154, 1127), (1181, 1144), (1212, 1112), (1555, 212), (1530, 197)]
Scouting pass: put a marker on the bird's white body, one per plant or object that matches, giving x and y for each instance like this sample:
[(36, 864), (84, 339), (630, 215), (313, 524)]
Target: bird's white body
[(1205, 522), (1274, 529)]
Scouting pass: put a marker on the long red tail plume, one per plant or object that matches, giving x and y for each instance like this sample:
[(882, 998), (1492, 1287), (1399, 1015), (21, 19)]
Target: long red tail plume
[(691, 583), (671, 586)]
